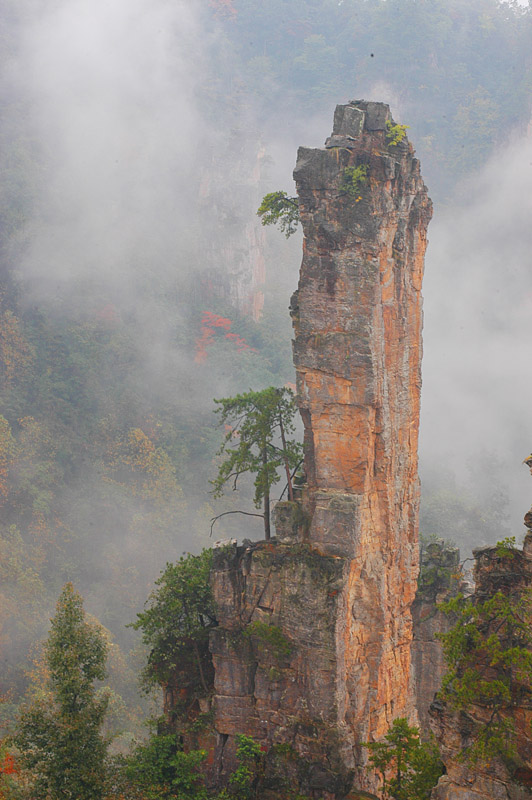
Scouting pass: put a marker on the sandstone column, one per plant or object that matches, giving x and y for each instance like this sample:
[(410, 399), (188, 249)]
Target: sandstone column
[(357, 351), (312, 650)]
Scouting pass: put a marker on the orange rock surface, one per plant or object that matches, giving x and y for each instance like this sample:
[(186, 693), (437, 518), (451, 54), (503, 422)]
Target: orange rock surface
[(313, 646), (357, 350)]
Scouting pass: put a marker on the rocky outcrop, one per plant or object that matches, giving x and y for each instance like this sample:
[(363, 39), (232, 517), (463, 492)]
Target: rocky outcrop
[(357, 352), (508, 571), (275, 657), (313, 648)]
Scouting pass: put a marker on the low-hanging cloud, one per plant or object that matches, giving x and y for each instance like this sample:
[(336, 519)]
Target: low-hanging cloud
[(478, 303), (112, 87)]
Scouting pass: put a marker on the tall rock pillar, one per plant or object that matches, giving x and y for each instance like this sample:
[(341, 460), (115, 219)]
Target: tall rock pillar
[(357, 351), (311, 655)]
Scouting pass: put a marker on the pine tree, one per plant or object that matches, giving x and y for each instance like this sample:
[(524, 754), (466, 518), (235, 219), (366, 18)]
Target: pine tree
[(59, 734), (409, 768), (258, 440)]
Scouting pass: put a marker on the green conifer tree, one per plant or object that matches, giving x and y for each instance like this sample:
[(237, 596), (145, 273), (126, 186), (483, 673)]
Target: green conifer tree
[(258, 440), (59, 734), (409, 768)]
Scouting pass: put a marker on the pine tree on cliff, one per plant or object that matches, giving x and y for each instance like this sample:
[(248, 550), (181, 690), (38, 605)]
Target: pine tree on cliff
[(258, 440), (59, 735)]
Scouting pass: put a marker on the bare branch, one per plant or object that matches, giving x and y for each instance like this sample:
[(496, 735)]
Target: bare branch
[(225, 513)]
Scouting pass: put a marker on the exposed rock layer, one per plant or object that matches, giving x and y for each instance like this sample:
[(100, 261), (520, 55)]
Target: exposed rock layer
[(275, 658)]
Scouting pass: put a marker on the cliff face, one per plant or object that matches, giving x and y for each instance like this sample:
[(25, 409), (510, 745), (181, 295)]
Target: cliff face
[(438, 582), (493, 778), (275, 658), (313, 646), (357, 352)]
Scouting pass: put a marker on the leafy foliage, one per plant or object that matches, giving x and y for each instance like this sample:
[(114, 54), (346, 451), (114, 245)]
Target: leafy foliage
[(260, 423), (277, 208), (176, 623), (272, 637), (353, 179), (59, 734), (395, 133), (505, 548), (161, 770), (489, 668), (10, 788), (409, 768), (245, 780)]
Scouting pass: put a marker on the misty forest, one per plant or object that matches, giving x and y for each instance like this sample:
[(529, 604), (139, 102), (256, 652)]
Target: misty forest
[(219, 577)]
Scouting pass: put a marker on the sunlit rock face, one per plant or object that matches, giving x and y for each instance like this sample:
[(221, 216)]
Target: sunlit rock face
[(313, 648), (357, 351)]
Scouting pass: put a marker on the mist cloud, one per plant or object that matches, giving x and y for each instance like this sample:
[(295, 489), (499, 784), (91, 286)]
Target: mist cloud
[(112, 87), (478, 303)]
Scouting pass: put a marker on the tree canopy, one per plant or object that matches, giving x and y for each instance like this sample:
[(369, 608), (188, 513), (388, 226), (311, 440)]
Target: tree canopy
[(277, 208), (59, 734), (176, 622), (258, 440), (488, 652), (409, 768)]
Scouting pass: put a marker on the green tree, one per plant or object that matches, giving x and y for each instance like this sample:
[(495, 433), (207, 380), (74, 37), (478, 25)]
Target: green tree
[(161, 770), (176, 623), (489, 666), (260, 425), (244, 783), (59, 734), (408, 767), (353, 178), (279, 209)]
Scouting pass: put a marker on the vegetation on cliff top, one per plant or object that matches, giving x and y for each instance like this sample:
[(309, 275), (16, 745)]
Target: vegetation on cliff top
[(176, 622)]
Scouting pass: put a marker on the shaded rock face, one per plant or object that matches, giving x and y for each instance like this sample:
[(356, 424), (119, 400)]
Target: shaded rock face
[(275, 658), (438, 582), (496, 780), (357, 352)]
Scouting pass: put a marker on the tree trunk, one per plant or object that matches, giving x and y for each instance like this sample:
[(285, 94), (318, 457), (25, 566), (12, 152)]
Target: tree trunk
[(200, 668), (267, 532), (285, 459)]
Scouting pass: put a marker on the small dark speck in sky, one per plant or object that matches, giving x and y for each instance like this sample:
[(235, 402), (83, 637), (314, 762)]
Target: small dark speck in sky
[(372, 55)]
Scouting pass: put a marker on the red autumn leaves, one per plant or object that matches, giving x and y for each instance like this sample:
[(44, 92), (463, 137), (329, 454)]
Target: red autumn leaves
[(212, 328)]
